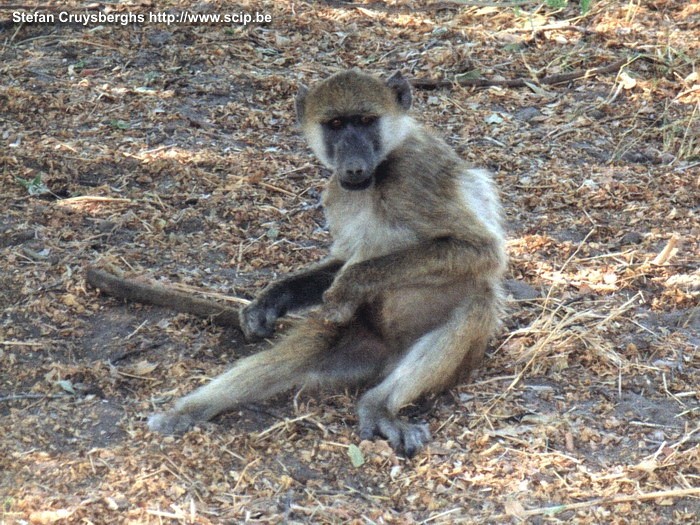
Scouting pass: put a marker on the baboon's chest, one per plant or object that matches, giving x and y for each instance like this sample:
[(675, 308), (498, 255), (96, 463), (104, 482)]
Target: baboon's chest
[(360, 229)]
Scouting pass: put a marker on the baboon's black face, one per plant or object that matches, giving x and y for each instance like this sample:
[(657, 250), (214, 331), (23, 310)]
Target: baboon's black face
[(353, 144)]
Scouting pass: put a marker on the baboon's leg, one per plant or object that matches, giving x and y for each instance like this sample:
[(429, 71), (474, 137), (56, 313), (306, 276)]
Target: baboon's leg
[(432, 363), (311, 355)]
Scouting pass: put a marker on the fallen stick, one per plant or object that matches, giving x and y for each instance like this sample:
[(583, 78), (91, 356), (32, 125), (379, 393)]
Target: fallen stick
[(615, 500), (149, 293), (427, 83), (661, 494)]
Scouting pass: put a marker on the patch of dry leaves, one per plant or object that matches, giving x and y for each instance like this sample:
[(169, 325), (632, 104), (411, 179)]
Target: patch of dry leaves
[(170, 151)]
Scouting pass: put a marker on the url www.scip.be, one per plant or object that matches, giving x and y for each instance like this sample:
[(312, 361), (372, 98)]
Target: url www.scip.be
[(187, 17)]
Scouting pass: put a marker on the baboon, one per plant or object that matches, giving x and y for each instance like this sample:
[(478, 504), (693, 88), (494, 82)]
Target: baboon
[(411, 291)]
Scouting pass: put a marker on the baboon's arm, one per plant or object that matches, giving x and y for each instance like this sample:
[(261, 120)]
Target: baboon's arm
[(303, 288), (440, 261), (294, 292)]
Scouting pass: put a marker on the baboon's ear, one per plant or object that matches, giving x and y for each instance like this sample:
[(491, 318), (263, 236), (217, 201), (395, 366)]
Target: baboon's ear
[(401, 88), (299, 102)]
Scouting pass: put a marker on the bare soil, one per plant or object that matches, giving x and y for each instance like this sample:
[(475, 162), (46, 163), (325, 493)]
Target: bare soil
[(170, 152)]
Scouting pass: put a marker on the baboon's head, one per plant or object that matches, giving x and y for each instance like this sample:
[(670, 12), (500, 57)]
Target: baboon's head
[(352, 121)]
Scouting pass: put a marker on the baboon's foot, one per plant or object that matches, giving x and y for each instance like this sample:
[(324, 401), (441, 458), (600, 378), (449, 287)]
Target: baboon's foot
[(172, 422), (404, 437)]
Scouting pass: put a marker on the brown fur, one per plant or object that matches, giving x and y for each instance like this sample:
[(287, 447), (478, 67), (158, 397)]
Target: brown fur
[(329, 99), (411, 292)]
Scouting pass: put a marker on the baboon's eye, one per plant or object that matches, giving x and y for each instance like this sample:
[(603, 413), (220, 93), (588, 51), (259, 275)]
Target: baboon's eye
[(368, 120), (336, 123)]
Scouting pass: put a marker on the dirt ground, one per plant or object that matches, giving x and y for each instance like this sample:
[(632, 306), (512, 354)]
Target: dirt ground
[(170, 152)]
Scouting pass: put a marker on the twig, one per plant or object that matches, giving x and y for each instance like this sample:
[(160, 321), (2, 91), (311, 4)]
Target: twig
[(669, 251), (93, 198), (17, 397), (277, 188), (427, 83), (29, 7), (689, 166), (148, 293), (434, 6), (673, 493), (536, 30)]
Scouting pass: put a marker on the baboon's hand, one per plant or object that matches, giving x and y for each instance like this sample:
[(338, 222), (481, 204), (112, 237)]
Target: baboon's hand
[(337, 313), (259, 317), (338, 305)]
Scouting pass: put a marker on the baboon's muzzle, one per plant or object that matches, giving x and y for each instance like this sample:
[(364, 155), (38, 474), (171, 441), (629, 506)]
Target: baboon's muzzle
[(355, 161)]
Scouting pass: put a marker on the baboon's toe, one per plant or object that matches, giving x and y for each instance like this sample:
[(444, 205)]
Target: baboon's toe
[(406, 438), (170, 422)]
